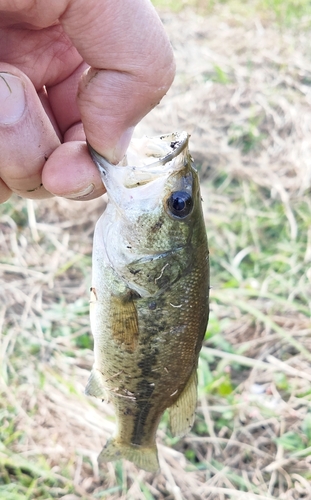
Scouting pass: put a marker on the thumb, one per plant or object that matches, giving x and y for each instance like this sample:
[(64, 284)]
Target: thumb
[(132, 67), (27, 136)]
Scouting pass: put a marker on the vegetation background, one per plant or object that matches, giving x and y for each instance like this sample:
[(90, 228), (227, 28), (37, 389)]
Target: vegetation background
[(243, 92)]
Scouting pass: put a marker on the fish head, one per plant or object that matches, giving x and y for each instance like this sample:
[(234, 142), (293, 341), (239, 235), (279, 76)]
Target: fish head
[(154, 199)]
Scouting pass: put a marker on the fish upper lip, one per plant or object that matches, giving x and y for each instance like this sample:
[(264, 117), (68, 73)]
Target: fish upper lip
[(178, 146)]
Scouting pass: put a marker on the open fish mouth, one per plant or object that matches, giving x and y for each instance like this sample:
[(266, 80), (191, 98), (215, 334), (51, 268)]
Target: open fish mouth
[(145, 161)]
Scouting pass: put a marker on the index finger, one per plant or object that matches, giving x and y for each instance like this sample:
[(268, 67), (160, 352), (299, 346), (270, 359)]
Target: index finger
[(132, 67)]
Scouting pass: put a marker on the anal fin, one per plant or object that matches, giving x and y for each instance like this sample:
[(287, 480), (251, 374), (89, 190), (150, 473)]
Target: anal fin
[(182, 412)]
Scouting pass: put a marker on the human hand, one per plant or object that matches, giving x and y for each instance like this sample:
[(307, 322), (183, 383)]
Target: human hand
[(46, 90)]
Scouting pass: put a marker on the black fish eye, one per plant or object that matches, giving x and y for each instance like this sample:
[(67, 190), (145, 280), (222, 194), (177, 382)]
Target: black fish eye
[(180, 203)]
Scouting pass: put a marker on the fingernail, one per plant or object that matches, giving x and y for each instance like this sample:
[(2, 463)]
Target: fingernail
[(82, 193), (12, 98), (122, 145)]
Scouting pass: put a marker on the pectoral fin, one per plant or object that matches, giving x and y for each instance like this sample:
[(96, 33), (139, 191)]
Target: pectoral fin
[(124, 322), (96, 385), (182, 412)]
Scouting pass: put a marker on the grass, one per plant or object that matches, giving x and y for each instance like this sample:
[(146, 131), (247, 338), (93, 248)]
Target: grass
[(286, 13), (244, 98)]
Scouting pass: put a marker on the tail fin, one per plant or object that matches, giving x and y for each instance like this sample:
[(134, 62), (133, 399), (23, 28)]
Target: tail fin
[(145, 458)]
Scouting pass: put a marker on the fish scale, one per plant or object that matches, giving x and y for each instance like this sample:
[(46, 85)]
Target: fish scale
[(149, 295)]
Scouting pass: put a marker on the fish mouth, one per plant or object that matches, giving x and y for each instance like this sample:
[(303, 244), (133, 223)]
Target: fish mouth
[(145, 160)]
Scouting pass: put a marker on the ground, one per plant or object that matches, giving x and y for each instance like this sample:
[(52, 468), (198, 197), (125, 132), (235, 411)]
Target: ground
[(243, 92)]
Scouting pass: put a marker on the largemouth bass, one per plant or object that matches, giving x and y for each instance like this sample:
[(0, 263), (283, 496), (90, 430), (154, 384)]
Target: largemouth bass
[(149, 295)]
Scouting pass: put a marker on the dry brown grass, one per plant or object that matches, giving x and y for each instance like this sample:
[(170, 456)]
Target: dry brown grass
[(243, 91)]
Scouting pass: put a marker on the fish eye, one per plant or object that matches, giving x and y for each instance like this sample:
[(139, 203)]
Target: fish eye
[(180, 204)]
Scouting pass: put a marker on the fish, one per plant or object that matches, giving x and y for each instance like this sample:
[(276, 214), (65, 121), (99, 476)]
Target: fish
[(149, 299)]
